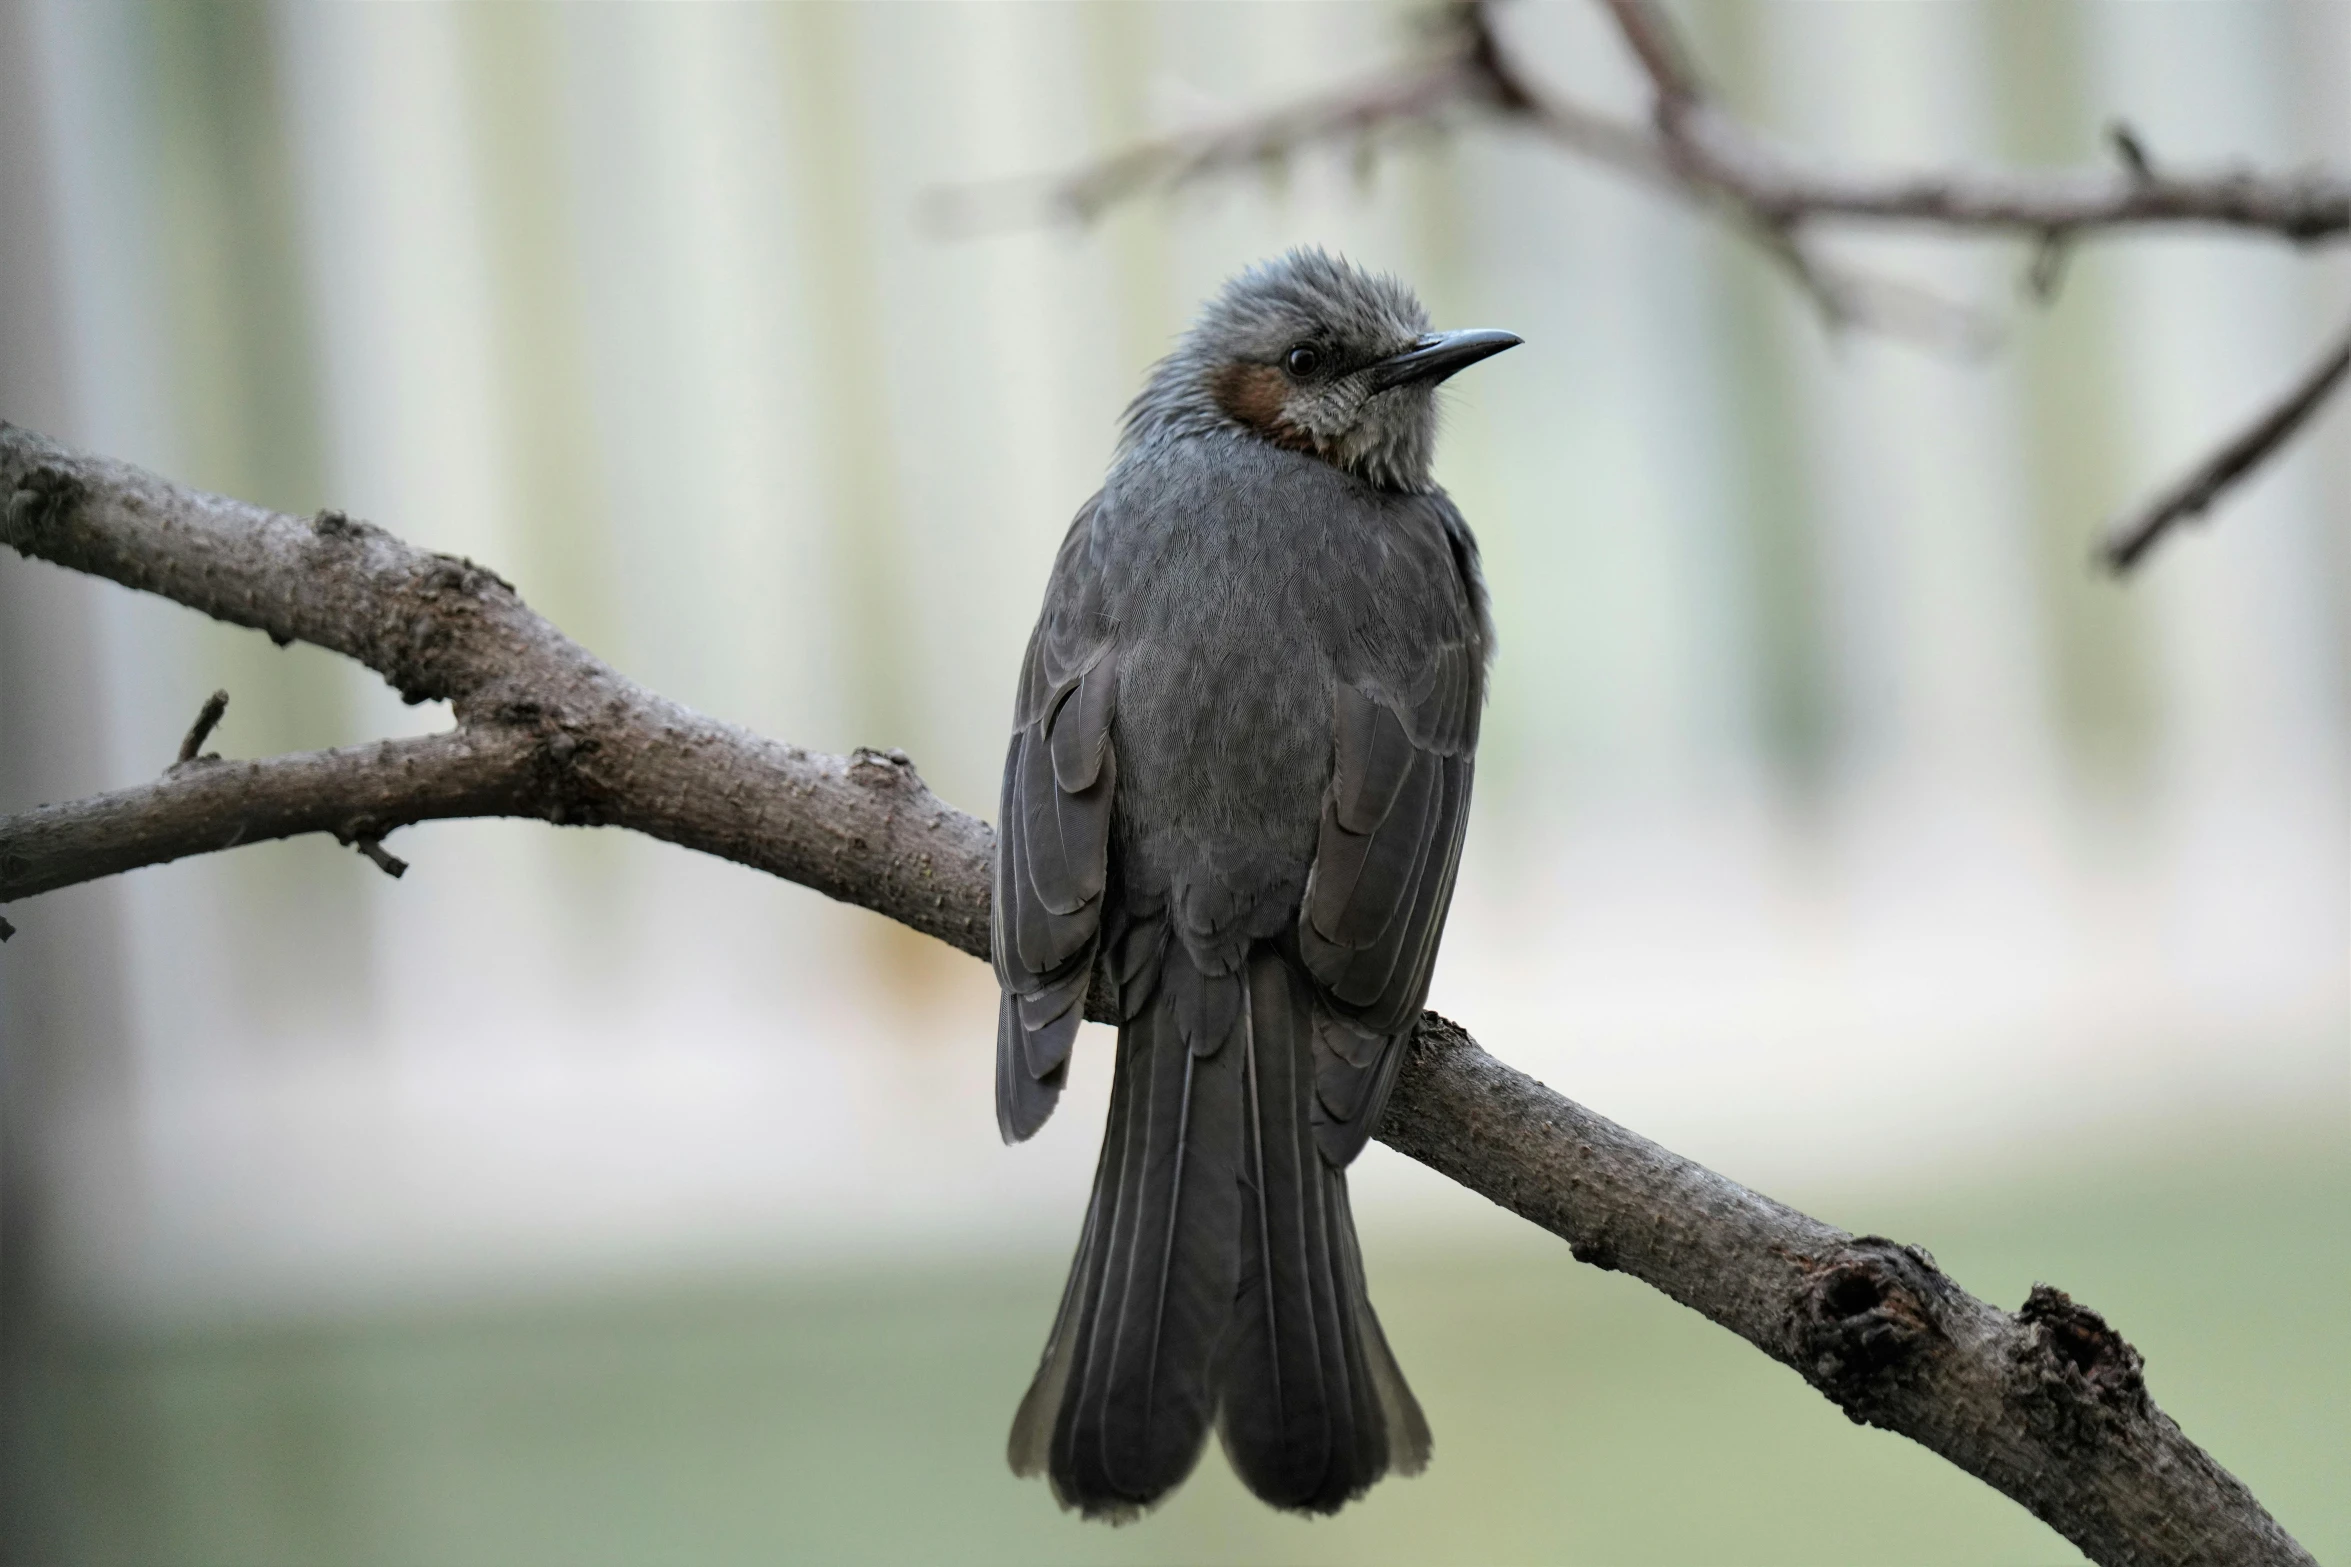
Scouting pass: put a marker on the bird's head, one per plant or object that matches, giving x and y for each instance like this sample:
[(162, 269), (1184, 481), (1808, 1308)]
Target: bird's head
[(1311, 353)]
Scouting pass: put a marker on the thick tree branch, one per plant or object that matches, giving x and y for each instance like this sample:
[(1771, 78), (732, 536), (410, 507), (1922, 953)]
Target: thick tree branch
[(2132, 535), (2048, 1404), (546, 728)]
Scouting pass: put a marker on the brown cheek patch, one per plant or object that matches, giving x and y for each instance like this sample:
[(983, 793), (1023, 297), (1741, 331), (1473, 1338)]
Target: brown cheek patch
[(1254, 395)]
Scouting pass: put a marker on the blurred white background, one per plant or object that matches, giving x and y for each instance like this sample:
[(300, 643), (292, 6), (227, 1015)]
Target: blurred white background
[(1833, 815), (1836, 824)]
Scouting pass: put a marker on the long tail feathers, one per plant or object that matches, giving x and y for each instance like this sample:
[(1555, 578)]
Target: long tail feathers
[(1217, 1278), (1314, 1407)]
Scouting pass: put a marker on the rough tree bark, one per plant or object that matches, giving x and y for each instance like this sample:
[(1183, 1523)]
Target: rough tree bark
[(2046, 1404)]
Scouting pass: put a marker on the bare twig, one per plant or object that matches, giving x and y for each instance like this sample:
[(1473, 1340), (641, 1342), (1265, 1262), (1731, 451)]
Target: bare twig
[(2131, 150), (2128, 539), (207, 719), (1385, 105), (2046, 275), (384, 859), (2047, 1404)]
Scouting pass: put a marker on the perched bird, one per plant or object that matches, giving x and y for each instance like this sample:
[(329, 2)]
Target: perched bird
[(1238, 778)]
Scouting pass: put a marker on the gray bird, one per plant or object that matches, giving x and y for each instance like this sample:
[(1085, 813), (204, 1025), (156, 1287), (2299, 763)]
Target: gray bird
[(1238, 778)]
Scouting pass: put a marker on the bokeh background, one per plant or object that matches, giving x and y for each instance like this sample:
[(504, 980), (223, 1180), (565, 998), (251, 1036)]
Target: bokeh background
[(578, 1200)]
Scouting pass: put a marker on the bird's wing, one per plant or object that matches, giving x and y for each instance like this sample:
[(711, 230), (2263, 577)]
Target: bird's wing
[(1404, 741), (1053, 836)]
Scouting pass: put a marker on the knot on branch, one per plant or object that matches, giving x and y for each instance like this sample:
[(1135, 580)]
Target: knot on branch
[(41, 504), (1596, 1251), (457, 574), (1862, 1320), (2076, 1375), (1438, 1035), (890, 770), (571, 802)]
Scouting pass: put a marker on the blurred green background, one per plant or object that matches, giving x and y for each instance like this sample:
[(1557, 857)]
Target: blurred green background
[(574, 1199), (859, 1417)]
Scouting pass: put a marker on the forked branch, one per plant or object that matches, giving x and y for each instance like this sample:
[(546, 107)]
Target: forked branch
[(2047, 1404), (1690, 148)]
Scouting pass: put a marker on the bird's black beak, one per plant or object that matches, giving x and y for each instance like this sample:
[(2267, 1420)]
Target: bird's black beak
[(1439, 355)]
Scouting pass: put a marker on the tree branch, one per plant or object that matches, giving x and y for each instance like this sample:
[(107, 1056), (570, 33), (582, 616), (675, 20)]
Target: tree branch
[(569, 740), (1716, 150), (1468, 66), (357, 794), (1691, 149), (2048, 1404), (2132, 535)]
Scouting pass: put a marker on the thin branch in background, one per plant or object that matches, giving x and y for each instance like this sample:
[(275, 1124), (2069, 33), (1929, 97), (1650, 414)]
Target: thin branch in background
[(1692, 149), (207, 719), (1846, 299), (1386, 105), (1466, 65), (1657, 44), (2047, 1404), (2128, 539)]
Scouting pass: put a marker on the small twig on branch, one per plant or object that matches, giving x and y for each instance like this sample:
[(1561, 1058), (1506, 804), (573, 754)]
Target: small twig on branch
[(372, 846), (2128, 539), (207, 719), (2047, 1404), (2131, 150), (2046, 275)]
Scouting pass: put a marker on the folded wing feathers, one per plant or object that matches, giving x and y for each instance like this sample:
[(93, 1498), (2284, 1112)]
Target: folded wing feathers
[(1024, 1098), (1079, 727), (1052, 867), (1372, 755)]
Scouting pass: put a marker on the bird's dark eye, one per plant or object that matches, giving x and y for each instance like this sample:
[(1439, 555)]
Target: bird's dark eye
[(1304, 360)]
